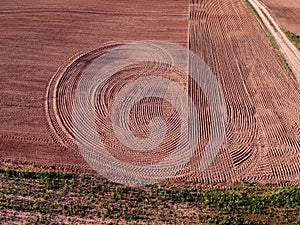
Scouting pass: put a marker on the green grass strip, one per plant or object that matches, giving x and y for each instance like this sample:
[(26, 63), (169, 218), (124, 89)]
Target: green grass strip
[(272, 41), (52, 193)]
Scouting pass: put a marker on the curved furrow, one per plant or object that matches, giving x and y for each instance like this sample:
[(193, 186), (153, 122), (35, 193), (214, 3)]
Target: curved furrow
[(263, 103), (260, 96), (241, 124), (61, 102)]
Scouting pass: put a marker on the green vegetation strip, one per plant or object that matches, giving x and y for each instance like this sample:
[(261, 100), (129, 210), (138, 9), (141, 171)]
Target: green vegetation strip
[(294, 38), (272, 41), (251, 9), (53, 193)]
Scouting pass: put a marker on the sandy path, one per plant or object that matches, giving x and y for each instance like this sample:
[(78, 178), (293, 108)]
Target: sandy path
[(263, 102), (279, 8), (262, 137), (289, 51)]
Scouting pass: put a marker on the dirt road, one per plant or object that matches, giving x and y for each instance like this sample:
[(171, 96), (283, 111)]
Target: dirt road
[(289, 51), (40, 42), (278, 9)]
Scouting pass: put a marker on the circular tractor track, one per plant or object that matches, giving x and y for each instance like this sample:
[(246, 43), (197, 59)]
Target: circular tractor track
[(59, 103)]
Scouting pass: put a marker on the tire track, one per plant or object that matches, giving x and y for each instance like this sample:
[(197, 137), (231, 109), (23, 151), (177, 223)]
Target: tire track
[(262, 137), (290, 52)]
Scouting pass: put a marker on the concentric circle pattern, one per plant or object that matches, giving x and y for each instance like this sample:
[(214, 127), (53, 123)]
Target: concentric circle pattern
[(128, 110)]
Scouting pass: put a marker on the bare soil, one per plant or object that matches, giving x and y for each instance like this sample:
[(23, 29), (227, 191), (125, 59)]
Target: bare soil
[(286, 13), (262, 139), (40, 39)]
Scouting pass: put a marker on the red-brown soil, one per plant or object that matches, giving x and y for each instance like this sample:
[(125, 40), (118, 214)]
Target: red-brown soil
[(40, 39), (286, 13), (262, 140)]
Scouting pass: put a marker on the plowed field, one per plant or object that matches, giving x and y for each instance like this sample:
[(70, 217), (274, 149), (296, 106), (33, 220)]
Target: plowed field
[(39, 38), (287, 13), (45, 48), (262, 139)]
